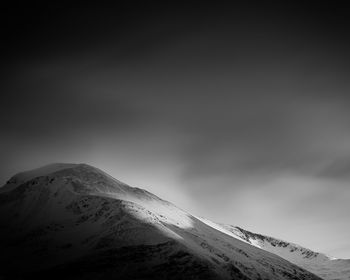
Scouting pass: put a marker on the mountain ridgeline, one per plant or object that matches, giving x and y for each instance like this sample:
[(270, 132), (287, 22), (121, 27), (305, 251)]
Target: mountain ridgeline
[(74, 220)]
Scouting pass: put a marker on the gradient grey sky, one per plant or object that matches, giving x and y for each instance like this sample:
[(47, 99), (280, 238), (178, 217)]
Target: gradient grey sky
[(239, 114)]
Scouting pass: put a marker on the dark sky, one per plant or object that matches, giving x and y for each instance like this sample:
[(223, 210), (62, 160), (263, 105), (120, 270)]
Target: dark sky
[(237, 113)]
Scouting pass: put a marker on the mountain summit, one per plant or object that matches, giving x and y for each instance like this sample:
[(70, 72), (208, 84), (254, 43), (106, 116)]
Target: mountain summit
[(74, 220)]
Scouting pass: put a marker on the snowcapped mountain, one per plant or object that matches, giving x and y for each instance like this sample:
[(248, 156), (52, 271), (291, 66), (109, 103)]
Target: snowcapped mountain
[(76, 221), (320, 264)]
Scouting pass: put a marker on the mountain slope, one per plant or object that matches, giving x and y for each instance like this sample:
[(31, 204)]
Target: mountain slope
[(320, 264), (77, 221)]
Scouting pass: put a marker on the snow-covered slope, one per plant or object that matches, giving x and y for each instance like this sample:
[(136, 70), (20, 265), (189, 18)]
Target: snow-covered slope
[(76, 221), (320, 264)]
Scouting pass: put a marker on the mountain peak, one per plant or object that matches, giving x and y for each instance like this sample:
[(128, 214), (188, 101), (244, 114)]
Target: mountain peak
[(79, 214), (82, 178), (25, 176)]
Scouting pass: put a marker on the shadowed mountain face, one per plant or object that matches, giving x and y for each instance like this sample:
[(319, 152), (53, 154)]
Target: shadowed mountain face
[(76, 221)]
